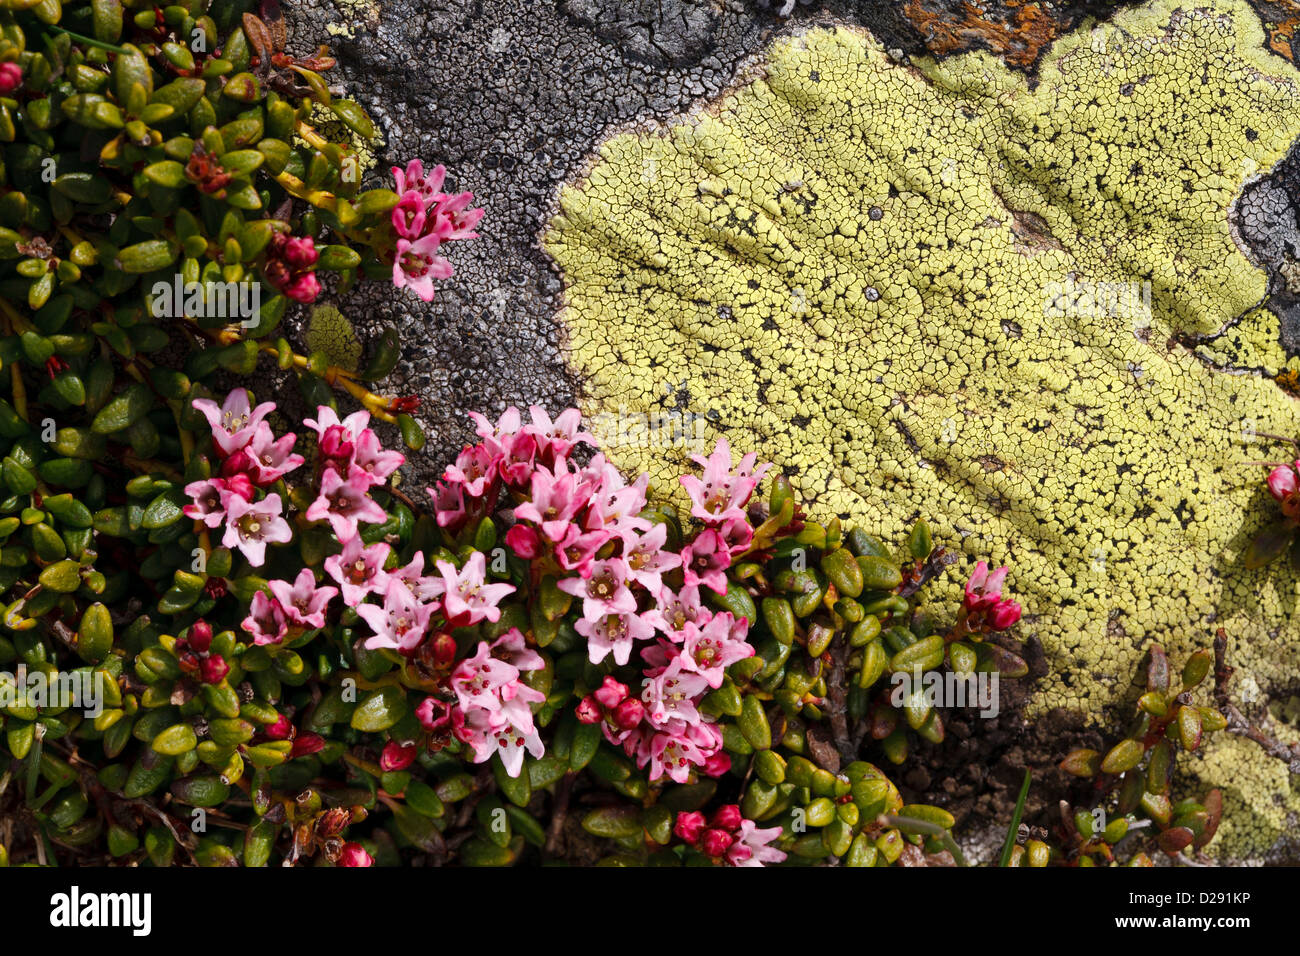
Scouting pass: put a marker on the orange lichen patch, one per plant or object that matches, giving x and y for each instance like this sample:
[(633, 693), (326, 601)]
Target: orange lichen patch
[(1015, 31), (1289, 380), (1281, 20)]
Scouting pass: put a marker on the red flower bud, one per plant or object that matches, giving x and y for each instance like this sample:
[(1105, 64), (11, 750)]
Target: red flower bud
[(353, 854), (397, 756), (236, 465), (629, 713), (199, 636), (716, 842), (717, 764), (307, 743), (588, 710), (444, 649), (240, 485), (727, 817), (214, 670), (523, 541), (689, 826), (11, 77), (611, 693), (1004, 615), (280, 730)]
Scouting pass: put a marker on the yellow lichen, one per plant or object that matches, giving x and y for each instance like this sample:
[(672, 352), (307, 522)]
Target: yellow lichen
[(329, 332), (922, 291)]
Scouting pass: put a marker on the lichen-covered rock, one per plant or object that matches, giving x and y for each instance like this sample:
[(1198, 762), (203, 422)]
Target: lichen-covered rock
[(943, 291)]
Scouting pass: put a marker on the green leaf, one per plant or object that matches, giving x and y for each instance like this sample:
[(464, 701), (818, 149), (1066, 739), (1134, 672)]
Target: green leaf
[(132, 404), (62, 576), (1008, 845), (380, 710), (354, 117), (147, 256)]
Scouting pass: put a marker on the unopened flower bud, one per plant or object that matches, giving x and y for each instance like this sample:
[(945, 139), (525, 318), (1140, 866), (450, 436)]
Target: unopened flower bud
[(397, 756), (727, 817), (611, 693), (588, 710), (353, 854), (629, 713), (280, 730), (716, 842), (689, 826), (214, 670), (199, 636), (11, 77)]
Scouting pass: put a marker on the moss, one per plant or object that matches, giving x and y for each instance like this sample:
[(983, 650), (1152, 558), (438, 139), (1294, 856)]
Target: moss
[(891, 280)]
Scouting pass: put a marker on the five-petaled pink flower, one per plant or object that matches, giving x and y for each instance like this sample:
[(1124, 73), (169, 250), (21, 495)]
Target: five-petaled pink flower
[(304, 601), (235, 422), (469, 598), (345, 501), (252, 525), (721, 495), (401, 623)]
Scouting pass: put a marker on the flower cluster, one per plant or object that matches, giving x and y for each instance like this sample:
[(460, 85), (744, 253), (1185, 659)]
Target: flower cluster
[(986, 609), (727, 837), (290, 266), (424, 218)]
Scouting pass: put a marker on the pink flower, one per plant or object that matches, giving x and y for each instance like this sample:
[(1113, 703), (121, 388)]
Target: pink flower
[(452, 219), (434, 715), (605, 592), (556, 500), (721, 495), (674, 754), (984, 590), (417, 264), (413, 179), (234, 423), (400, 624), (751, 847), (337, 438), (515, 463), (705, 561), (710, 650), (474, 469), (354, 854), (344, 502), (266, 620), (208, 503), (675, 613), (269, 458), (303, 602), (373, 459), (1282, 482), (558, 436), (448, 504), (397, 756), (304, 288), (670, 694), (409, 215), (614, 634), (468, 595), (11, 77), (251, 526), (497, 437), (646, 557), (578, 549), (359, 570)]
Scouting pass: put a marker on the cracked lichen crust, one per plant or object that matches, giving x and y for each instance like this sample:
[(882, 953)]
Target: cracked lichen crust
[(937, 290)]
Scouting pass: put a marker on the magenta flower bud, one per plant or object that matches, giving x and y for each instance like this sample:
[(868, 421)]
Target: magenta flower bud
[(523, 541), (199, 636), (236, 464), (1004, 615), (300, 252), (716, 842), (397, 756), (11, 77), (611, 693), (303, 289), (715, 765), (588, 710), (353, 854), (629, 714), (336, 442), (214, 670), (281, 729), (444, 649), (240, 485), (727, 818), (305, 744), (1282, 482), (689, 826)]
